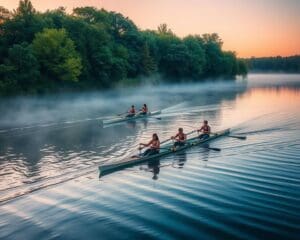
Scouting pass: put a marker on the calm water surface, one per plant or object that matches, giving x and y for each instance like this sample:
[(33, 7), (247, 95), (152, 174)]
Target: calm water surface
[(51, 147)]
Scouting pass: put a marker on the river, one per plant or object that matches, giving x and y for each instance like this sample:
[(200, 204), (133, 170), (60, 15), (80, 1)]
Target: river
[(51, 147)]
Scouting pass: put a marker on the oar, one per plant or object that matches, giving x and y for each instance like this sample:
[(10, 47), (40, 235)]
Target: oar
[(121, 113), (209, 148), (141, 148), (189, 133), (157, 148), (238, 137), (214, 149), (157, 118)]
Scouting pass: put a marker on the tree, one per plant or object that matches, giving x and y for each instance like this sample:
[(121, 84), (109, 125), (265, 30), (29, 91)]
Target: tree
[(57, 55), (281, 64), (175, 63), (25, 9), (21, 67), (95, 48), (21, 27), (242, 67), (213, 54), (163, 29), (120, 63), (230, 64), (196, 59), (148, 63), (5, 15)]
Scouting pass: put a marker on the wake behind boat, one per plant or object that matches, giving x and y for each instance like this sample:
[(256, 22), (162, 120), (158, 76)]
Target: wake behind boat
[(164, 150)]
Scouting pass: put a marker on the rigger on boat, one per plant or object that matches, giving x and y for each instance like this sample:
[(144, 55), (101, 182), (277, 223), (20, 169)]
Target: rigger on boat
[(132, 114), (163, 150)]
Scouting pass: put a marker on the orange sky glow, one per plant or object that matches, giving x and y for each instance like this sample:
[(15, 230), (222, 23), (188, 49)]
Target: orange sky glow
[(248, 27)]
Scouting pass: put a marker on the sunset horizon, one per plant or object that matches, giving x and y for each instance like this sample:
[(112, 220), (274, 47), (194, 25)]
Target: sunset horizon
[(251, 29)]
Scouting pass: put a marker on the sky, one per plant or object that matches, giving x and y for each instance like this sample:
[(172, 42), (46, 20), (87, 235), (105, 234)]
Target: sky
[(248, 27)]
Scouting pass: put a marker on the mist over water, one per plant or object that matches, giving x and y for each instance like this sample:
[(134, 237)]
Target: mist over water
[(51, 147)]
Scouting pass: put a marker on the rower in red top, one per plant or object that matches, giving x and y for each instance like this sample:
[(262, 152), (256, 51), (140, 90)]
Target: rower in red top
[(131, 112), (144, 110), (180, 138), (205, 129), (154, 146)]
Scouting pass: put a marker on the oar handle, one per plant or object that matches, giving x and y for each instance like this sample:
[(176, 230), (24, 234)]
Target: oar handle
[(165, 141), (189, 133), (121, 113)]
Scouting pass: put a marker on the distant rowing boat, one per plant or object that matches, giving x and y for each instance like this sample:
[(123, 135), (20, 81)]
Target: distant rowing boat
[(136, 117), (165, 150)]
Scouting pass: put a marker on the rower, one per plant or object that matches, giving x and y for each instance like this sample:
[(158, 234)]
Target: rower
[(131, 112), (144, 110), (180, 138), (154, 146), (205, 129)]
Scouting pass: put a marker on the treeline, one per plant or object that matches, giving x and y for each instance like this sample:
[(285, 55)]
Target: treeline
[(91, 48), (275, 64)]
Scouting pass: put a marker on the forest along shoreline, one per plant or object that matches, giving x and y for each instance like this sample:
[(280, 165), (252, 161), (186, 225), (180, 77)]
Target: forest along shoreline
[(91, 48)]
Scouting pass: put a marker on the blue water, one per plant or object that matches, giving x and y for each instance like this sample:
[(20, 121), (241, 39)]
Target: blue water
[(51, 147)]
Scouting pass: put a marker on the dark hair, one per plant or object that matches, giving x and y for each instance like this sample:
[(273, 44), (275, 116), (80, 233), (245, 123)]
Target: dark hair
[(180, 129), (132, 106), (205, 121), (155, 136), (145, 105)]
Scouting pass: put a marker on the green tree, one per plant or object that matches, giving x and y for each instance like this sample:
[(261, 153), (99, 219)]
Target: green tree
[(21, 68), (196, 59), (95, 48), (213, 54), (20, 27), (175, 63), (148, 63), (120, 63), (57, 55), (163, 29), (25, 10), (5, 14), (230, 64), (242, 67)]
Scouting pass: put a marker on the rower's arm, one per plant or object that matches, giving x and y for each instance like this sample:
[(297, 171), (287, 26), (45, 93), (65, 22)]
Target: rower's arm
[(173, 137), (146, 144)]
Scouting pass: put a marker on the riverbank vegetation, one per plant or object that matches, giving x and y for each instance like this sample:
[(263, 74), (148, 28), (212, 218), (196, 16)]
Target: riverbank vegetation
[(274, 64), (92, 49)]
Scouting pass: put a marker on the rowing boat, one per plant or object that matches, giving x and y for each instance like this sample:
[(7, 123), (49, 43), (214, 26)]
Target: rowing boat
[(165, 150), (125, 119)]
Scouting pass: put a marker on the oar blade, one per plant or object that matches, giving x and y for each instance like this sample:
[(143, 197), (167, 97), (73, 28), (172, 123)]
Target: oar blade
[(214, 149), (238, 137)]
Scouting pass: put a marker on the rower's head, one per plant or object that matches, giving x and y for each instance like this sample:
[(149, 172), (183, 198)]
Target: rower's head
[(180, 130), (205, 122), (132, 106), (145, 105), (155, 137)]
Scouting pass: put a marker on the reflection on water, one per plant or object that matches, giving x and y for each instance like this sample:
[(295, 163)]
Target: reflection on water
[(247, 190), (179, 159), (154, 167)]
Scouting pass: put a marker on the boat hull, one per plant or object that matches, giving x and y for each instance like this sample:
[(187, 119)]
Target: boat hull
[(109, 168), (125, 119)]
